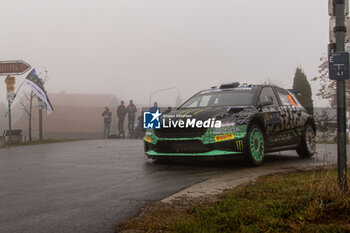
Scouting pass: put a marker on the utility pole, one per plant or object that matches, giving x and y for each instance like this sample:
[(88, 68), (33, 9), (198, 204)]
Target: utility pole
[(340, 30), (40, 119), (9, 111), (10, 86), (150, 97)]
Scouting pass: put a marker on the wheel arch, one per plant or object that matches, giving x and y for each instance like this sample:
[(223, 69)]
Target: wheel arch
[(248, 154), (258, 121), (311, 121)]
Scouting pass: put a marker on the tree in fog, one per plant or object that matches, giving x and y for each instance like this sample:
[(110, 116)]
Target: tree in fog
[(270, 81), (322, 121), (26, 102), (178, 100), (302, 85)]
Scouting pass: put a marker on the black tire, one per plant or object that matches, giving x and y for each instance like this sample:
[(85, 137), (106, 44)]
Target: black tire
[(308, 142), (255, 145)]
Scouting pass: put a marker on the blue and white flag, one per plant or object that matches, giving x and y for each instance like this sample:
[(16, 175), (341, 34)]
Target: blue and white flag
[(33, 81)]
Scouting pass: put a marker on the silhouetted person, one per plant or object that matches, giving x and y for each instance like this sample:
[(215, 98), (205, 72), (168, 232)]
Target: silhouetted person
[(138, 130), (131, 109), (349, 129), (155, 107), (107, 119), (167, 111), (121, 112)]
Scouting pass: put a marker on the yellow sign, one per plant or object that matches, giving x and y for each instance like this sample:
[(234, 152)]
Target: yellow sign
[(224, 137), (148, 139), (10, 88), (10, 80)]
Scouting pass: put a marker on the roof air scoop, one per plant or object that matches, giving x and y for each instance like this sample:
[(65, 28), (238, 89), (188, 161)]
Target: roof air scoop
[(230, 85)]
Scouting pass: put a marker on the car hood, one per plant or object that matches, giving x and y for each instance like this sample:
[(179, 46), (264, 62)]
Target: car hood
[(237, 114)]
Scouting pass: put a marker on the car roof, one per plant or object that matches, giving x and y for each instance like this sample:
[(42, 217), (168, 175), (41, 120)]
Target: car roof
[(237, 86)]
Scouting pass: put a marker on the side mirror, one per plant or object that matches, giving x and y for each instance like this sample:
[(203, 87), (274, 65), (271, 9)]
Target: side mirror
[(266, 102)]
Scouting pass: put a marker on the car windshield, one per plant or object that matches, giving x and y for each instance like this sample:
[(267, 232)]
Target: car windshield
[(220, 98)]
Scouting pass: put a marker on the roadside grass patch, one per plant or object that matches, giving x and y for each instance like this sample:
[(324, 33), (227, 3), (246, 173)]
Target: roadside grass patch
[(295, 202)]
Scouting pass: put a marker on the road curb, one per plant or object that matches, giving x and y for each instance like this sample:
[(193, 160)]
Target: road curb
[(233, 179)]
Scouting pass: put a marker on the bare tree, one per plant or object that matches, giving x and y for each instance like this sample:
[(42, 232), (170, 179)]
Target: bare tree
[(322, 121), (26, 102), (270, 81)]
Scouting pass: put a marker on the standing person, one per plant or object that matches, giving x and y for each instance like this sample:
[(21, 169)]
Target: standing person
[(121, 112), (131, 109), (167, 111), (349, 129), (107, 119), (155, 107)]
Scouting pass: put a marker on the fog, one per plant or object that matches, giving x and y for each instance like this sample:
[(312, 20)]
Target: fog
[(132, 48)]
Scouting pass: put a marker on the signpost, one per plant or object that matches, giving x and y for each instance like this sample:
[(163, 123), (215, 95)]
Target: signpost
[(338, 64), (13, 67), (339, 70), (10, 86), (8, 68)]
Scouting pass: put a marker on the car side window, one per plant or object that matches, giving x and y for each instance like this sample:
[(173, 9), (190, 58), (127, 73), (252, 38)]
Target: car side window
[(200, 101), (286, 98), (204, 101), (195, 102), (266, 94)]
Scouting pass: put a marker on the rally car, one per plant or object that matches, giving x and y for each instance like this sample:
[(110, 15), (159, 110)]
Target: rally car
[(254, 119)]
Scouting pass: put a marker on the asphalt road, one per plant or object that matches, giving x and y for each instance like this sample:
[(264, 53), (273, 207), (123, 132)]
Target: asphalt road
[(89, 186)]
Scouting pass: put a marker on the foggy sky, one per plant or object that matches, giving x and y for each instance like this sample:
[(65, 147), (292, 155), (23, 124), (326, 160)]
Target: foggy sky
[(131, 48)]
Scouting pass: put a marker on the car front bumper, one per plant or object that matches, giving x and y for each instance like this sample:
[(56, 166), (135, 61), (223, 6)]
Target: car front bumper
[(225, 141)]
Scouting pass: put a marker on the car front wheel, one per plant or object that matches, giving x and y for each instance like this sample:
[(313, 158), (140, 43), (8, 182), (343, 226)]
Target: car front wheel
[(255, 145)]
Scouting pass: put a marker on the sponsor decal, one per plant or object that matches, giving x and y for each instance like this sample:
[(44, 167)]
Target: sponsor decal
[(224, 137), (282, 138), (272, 117), (151, 120), (239, 145), (291, 100), (190, 123), (155, 120)]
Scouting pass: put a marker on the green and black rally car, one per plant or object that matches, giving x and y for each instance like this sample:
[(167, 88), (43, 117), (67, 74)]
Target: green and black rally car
[(238, 119)]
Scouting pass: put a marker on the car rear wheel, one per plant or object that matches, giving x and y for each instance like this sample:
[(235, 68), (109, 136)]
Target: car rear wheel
[(308, 143), (255, 145)]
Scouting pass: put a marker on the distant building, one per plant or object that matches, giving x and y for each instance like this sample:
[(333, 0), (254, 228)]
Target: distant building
[(74, 116)]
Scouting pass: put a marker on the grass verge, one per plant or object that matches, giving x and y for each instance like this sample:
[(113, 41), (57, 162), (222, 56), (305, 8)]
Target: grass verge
[(296, 202)]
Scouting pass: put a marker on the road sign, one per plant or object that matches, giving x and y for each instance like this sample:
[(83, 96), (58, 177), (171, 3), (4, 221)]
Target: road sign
[(10, 80), (10, 88), (338, 65), (13, 67), (10, 96)]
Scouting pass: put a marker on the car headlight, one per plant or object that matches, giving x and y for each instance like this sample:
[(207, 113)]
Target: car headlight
[(148, 132), (228, 124)]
